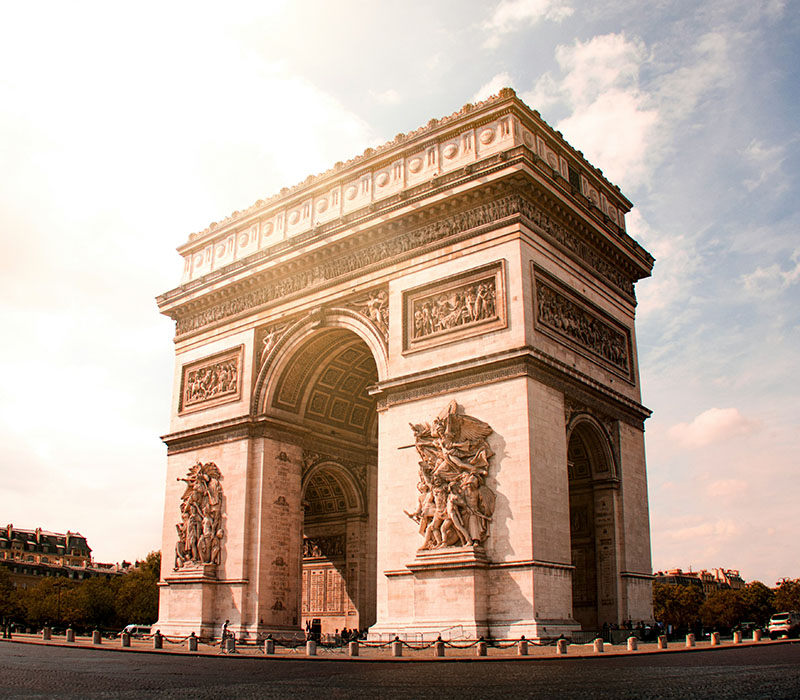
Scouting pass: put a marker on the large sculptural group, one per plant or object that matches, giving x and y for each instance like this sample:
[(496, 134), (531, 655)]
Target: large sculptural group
[(200, 530), (455, 505)]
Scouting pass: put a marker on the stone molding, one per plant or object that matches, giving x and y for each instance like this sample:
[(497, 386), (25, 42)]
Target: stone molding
[(440, 232), (356, 470), (509, 365), (318, 317), (212, 381), (454, 308)]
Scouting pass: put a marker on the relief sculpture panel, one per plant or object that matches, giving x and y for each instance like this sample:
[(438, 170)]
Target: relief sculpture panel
[(200, 531), (455, 506), (211, 381), (568, 318), (455, 308)]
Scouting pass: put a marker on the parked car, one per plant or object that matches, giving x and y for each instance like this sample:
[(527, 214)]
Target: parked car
[(784, 623), (136, 631)]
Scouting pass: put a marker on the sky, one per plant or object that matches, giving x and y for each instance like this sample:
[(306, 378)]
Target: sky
[(124, 127)]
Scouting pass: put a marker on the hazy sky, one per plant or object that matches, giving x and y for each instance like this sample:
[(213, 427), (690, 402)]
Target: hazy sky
[(125, 127)]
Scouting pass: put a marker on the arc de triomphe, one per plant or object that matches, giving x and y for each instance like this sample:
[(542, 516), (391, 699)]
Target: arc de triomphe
[(407, 397)]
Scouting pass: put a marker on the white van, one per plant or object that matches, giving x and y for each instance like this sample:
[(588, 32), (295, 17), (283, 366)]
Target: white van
[(136, 631)]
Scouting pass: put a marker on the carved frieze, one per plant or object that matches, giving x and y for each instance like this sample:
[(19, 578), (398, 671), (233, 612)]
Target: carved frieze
[(323, 546), (211, 381), (560, 312), (454, 308), (200, 530), (336, 267), (455, 506)]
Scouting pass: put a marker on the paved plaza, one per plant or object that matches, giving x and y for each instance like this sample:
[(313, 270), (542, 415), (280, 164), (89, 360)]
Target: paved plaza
[(766, 670)]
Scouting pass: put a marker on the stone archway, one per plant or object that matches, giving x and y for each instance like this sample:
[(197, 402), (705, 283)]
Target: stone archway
[(318, 388), (593, 489)]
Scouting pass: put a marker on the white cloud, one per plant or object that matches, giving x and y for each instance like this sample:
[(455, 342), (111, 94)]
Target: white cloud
[(766, 161), (513, 15), (611, 119), (727, 488), (711, 426), (770, 280), (711, 530), (386, 97), (494, 86)]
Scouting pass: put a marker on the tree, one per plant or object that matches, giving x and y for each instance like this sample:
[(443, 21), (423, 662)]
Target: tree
[(723, 609), (137, 597), (676, 605), (787, 597), (9, 608), (759, 602)]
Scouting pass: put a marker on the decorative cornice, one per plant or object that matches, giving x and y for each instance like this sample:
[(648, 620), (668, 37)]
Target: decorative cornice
[(505, 210), (472, 115)]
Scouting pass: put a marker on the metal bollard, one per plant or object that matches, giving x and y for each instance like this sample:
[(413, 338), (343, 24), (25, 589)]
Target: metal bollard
[(47, 634), (397, 647), (352, 648), (70, 634), (737, 637), (96, 638), (561, 646), (715, 639), (633, 643), (662, 641), (311, 648), (690, 640), (598, 645), (522, 647), (125, 639), (158, 640), (481, 649), (191, 642), (269, 645), (756, 635), (438, 647)]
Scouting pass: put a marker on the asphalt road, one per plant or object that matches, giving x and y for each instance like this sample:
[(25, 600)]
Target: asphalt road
[(34, 671)]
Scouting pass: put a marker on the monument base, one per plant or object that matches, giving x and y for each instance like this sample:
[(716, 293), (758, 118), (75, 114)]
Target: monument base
[(449, 593)]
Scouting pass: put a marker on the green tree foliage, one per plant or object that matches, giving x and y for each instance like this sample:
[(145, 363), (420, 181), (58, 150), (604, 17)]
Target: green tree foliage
[(787, 597), (759, 602), (106, 602), (137, 595), (723, 609), (9, 607), (678, 606)]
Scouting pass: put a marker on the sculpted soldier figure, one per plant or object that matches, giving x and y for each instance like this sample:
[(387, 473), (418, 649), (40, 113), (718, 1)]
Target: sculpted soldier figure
[(455, 505), (200, 532)]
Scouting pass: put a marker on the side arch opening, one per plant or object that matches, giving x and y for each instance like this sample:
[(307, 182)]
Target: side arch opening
[(593, 492)]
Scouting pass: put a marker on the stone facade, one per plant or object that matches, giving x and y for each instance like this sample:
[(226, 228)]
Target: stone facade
[(416, 374)]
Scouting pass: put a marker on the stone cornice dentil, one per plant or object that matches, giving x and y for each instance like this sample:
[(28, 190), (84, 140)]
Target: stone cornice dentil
[(476, 132)]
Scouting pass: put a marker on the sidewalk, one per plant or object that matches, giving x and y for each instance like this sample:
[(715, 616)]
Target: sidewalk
[(370, 652)]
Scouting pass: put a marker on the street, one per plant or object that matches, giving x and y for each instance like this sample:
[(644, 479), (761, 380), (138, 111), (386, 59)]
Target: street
[(37, 671)]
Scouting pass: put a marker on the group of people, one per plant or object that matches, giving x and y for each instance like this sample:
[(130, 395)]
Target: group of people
[(563, 315), (475, 303), (455, 506), (200, 532), (207, 382)]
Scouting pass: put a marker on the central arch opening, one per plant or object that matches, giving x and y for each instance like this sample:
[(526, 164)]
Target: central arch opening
[(323, 389)]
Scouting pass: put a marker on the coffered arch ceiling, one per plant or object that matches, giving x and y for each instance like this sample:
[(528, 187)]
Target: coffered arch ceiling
[(326, 383)]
